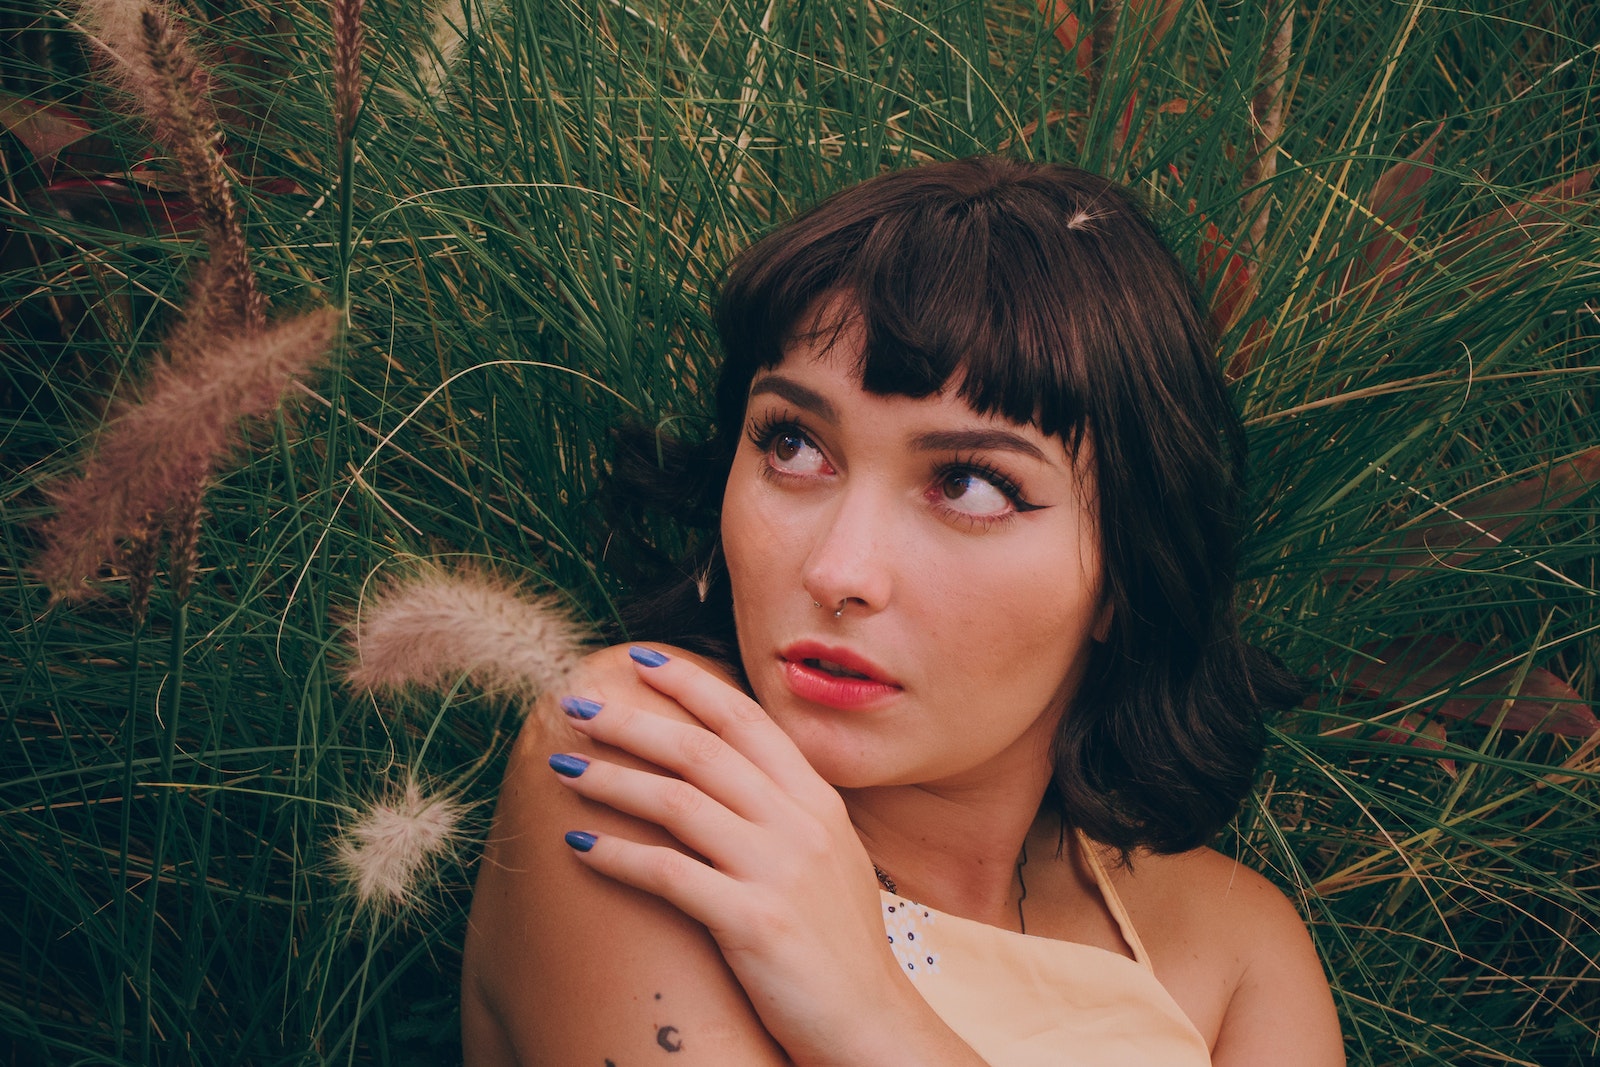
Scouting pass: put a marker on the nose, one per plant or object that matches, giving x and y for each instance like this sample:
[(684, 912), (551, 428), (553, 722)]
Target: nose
[(850, 567)]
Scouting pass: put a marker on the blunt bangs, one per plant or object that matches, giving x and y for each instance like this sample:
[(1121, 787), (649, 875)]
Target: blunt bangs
[(1020, 285)]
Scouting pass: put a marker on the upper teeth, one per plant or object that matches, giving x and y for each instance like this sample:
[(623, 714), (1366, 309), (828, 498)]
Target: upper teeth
[(836, 668)]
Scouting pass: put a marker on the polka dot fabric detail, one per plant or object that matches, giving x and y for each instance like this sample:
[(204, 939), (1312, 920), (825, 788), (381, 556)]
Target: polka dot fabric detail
[(909, 928)]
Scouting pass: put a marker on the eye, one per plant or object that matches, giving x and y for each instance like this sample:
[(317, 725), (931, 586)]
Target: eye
[(791, 451), (787, 449), (977, 495), (970, 493)]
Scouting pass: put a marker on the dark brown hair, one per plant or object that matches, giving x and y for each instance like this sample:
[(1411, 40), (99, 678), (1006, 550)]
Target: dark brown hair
[(1045, 294)]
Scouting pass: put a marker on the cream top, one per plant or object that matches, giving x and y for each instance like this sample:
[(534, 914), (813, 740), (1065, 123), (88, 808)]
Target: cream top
[(1023, 1001)]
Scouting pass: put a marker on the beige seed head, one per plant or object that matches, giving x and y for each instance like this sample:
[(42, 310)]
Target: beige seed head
[(387, 851), (430, 629)]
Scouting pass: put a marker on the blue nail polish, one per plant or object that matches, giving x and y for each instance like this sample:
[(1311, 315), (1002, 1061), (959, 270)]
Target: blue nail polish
[(580, 708), (646, 657), (568, 766), (579, 840)]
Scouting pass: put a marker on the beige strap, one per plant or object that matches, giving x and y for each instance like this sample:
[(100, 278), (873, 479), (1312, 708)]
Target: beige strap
[(1113, 902)]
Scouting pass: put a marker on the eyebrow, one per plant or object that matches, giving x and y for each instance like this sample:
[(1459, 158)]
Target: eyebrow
[(988, 440), (796, 394)]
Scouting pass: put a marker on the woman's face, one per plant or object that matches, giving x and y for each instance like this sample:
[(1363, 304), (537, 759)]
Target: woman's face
[(961, 549)]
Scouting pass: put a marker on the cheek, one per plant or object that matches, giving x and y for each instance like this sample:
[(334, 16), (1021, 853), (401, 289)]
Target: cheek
[(754, 540), (1036, 612)]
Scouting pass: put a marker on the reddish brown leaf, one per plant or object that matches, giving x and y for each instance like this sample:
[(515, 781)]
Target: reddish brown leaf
[(1068, 32), (1416, 733), (1218, 260), (1125, 124), (1414, 668), (276, 186), (166, 182), (1023, 135), (1451, 539), (117, 205), (1081, 42), (1413, 731), (1564, 195), (1176, 106), (1156, 28), (1396, 205), (1244, 355), (1521, 231), (43, 129), (1235, 289)]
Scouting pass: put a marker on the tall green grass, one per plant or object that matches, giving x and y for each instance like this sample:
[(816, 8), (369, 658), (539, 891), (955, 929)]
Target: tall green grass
[(539, 204)]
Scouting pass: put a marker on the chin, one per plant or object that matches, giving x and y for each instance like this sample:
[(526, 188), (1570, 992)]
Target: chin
[(842, 760)]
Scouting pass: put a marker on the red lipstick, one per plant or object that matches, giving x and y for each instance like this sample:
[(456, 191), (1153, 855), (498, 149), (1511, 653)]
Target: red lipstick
[(836, 677)]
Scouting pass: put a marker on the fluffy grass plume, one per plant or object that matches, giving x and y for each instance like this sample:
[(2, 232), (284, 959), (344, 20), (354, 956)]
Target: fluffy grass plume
[(450, 27), (155, 456), (428, 630), (153, 60), (387, 851), (149, 469)]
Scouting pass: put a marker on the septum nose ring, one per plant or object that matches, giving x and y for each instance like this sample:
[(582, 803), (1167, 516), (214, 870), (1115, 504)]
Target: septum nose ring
[(837, 614)]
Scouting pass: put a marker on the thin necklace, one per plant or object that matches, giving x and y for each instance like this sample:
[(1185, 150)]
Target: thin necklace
[(1022, 861), (884, 879)]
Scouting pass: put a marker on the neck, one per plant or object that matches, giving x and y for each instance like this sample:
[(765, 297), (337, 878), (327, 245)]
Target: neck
[(955, 850)]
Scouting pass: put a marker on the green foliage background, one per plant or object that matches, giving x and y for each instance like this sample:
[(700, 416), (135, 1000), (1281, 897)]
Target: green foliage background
[(542, 199)]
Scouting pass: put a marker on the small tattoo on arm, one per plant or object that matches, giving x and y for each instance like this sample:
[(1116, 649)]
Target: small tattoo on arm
[(667, 1037)]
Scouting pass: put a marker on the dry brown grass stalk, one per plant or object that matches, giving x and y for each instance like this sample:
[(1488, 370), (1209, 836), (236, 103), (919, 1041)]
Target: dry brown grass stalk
[(349, 38), (156, 455), (429, 630), (183, 533), (1107, 20), (1266, 113), (139, 558), (157, 66)]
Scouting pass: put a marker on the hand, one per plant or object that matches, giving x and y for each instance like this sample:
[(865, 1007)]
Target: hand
[(785, 888)]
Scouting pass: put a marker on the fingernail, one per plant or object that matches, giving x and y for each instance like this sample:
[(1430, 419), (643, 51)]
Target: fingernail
[(568, 766), (580, 708), (579, 840), (646, 657)]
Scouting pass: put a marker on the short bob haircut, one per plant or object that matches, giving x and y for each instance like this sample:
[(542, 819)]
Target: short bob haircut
[(1044, 294)]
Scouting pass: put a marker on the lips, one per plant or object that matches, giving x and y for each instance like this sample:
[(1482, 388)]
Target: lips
[(836, 677)]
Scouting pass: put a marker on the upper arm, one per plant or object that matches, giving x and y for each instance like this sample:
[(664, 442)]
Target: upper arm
[(1281, 1010), (564, 966)]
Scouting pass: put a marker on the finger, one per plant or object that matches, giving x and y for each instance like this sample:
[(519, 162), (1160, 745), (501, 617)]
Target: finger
[(697, 889), (729, 713), (688, 750), (677, 806)]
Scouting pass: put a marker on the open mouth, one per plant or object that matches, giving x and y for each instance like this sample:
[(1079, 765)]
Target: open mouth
[(837, 677), (835, 669)]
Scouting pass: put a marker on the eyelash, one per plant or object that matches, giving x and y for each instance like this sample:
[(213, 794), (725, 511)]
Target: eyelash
[(764, 431), (1008, 488)]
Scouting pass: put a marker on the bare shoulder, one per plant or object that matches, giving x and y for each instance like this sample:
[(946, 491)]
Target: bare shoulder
[(1235, 953), (564, 966)]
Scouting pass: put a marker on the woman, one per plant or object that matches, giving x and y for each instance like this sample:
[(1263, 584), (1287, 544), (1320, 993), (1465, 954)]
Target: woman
[(978, 519)]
